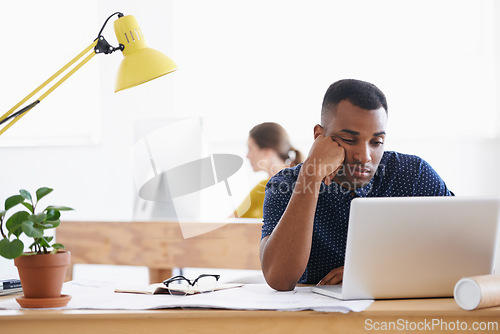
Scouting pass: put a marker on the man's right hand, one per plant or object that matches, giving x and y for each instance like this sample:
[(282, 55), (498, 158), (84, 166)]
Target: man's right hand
[(325, 157), (333, 277)]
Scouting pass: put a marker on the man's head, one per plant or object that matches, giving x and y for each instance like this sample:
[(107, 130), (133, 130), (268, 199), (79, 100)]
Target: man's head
[(354, 114), (360, 93)]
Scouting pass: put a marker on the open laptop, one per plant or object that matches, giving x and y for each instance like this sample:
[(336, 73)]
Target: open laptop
[(416, 247)]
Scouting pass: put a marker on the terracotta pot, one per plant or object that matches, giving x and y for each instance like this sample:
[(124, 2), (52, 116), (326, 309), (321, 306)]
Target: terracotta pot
[(42, 275)]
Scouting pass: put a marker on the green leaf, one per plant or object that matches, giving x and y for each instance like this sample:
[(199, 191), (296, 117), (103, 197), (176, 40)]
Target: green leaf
[(26, 194), (53, 214), (11, 249), (58, 208), (2, 213), (58, 246), (37, 219), (42, 192), (44, 242), (30, 230), (14, 222), (52, 224), (13, 201), (28, 206)]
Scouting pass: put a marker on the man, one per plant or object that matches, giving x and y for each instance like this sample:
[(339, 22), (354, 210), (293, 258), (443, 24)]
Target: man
[(306, 208)]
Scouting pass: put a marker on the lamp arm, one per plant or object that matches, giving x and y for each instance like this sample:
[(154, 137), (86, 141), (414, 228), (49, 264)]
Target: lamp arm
[(19, 114)]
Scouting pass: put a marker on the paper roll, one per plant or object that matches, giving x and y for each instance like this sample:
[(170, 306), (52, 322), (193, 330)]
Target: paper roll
[(478, 292)]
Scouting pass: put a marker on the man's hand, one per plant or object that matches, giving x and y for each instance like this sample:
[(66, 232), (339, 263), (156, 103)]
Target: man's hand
[(325, 157), (334, 277)]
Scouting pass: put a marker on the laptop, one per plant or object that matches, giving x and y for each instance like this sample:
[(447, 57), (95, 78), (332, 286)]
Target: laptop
[(416, 247)]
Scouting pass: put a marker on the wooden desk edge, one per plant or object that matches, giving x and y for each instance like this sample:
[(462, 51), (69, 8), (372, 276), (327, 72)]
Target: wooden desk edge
[(400, 307), (242, 321)]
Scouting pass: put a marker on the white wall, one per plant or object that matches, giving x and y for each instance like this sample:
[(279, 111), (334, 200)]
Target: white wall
[(242, 63)]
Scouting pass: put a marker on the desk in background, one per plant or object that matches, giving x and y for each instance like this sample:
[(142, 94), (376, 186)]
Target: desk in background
[(160, 246)]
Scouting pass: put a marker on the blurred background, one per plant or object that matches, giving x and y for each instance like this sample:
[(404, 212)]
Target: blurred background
[(242, 63)]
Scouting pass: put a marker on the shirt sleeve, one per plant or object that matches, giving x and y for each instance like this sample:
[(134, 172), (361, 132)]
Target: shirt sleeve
[(430, 183), (278, 192)]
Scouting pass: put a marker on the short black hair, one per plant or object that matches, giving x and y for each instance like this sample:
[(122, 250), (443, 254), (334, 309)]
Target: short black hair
[(360, 93)]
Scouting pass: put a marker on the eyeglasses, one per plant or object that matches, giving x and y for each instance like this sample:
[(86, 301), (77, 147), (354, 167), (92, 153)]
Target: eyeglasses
[(180, 285)]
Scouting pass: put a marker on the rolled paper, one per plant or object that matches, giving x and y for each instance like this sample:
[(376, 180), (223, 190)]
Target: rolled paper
[(478, 292)]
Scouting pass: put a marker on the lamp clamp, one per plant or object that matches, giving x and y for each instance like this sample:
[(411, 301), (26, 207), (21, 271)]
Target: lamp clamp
[(103, 46)]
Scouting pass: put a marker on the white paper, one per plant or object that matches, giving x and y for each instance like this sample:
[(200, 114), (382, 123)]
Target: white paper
[(93, 295)]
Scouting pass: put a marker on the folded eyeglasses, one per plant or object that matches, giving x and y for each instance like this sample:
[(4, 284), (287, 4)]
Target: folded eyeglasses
[(181, 286)]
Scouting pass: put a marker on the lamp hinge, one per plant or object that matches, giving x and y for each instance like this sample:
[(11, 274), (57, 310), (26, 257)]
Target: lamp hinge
[(103, 46)]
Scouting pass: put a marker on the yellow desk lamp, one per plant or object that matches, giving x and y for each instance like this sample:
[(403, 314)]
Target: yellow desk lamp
[(139, 65)]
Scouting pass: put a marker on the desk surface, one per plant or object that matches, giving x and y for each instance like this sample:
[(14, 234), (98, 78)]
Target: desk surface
[(217, 248), (417, 316)]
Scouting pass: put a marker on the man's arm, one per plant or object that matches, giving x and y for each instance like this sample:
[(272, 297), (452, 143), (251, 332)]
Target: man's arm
[(285, 252)]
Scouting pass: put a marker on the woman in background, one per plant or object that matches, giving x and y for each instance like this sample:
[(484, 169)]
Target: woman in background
[(269, 150)]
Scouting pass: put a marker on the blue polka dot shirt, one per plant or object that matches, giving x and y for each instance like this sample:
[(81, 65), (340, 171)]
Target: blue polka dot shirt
[(398, 175)]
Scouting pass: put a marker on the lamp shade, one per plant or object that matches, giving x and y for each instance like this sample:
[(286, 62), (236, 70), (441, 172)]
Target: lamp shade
[(140, 63)]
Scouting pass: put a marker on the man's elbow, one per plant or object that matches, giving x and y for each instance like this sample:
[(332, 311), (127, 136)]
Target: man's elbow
[(282, 287), (279, 284)]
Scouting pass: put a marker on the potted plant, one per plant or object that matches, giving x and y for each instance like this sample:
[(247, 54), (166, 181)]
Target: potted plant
[(41, 270)]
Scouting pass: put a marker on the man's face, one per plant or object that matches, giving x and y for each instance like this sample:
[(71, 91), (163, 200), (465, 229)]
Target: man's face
[(361, 133)]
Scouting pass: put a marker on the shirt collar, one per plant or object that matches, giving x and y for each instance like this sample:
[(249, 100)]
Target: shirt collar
[(363, 192), (345, 195)]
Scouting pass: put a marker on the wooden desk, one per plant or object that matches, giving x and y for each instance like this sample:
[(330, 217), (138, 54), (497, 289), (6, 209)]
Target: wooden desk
[(446, 316), (160, 246)]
